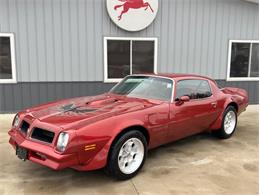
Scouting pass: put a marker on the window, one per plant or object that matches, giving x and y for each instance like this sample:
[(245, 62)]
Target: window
[(125, 56), (195, 89), (147, 87), (7, 58), (243, 62)]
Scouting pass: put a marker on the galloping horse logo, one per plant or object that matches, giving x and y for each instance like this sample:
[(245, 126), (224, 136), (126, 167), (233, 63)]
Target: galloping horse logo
[(134, 4)]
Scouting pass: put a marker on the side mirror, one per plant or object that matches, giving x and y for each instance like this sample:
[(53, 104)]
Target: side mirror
[(184, 98)]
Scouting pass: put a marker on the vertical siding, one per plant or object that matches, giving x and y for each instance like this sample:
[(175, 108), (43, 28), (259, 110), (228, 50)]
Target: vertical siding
[(62, 40), (26, 94), (23, 95)]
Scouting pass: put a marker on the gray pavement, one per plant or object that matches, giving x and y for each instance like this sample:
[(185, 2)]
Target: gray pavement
[(199, 164)]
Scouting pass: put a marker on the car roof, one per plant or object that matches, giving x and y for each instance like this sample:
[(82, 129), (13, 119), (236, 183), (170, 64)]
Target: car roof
[(178, 76)]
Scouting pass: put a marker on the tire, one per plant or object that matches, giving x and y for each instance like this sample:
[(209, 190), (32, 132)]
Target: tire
[(127, 155), (227, 128)]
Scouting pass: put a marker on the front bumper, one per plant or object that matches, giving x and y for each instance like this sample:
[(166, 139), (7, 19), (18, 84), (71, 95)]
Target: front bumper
[(43, 154)]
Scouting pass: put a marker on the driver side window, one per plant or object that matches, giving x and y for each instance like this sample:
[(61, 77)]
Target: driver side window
[(194, 88)]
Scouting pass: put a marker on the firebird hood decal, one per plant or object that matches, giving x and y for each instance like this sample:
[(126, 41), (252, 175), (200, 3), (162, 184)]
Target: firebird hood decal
[(67, 113), (73, 108)]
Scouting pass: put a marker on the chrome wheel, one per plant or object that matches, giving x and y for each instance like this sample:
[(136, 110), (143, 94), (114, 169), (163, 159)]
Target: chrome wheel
[(230, 122), (131, 155)]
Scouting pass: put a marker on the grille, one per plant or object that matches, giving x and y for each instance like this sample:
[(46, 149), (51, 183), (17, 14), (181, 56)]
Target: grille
[(24, 127), (43, 135)]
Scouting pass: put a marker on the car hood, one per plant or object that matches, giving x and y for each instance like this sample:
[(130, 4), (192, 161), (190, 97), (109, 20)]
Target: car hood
[(68, 113)]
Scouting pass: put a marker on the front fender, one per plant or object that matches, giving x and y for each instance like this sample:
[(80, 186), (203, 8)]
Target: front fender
[(113, 128)]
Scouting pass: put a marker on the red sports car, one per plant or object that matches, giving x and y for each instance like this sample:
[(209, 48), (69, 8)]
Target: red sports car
[(114, 130)]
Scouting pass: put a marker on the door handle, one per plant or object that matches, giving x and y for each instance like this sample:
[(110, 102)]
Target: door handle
[(214, 104)]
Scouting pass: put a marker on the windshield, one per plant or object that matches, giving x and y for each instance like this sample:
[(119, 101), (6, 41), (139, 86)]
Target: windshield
[(147, 87)]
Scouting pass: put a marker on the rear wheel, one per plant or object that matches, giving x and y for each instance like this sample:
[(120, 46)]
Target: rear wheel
[(229, 123), (127, 155)]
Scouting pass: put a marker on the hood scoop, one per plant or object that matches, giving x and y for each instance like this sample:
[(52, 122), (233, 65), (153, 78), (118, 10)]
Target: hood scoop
[(102, 102)]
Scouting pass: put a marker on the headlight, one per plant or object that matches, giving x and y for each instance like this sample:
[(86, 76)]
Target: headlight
[(62, 141), (16, 121)]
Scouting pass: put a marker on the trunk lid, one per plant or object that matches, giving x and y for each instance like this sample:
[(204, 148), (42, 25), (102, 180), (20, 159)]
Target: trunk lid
[(236, 92)]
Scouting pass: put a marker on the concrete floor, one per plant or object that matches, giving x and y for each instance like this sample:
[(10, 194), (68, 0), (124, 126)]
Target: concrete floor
[(200, 164)]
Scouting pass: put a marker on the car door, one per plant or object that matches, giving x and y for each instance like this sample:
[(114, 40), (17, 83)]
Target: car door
[(196, 114)]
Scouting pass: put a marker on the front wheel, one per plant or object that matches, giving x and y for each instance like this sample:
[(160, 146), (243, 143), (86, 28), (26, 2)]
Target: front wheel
[(127, 155), (229, 123)]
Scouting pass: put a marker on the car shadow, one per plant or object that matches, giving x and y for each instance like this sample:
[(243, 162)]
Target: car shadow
[(182, 144), (48, 180)]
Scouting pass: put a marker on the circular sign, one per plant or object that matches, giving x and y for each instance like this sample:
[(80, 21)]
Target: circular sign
[(132, 15)]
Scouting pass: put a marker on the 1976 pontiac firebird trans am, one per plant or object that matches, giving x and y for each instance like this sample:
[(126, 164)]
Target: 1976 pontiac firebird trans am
[(114, 130)]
